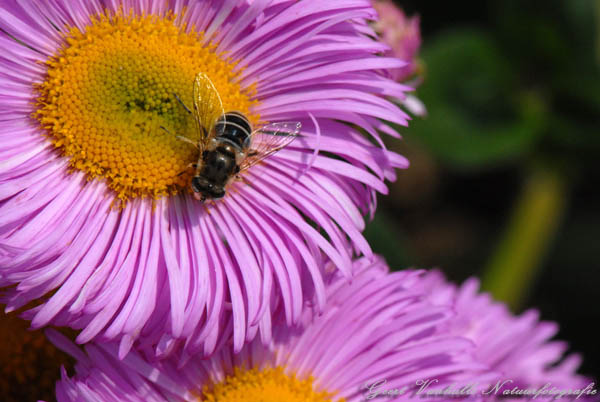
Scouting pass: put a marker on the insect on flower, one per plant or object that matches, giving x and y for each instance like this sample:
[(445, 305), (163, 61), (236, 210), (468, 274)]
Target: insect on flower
[(83, 94), (228, 145)]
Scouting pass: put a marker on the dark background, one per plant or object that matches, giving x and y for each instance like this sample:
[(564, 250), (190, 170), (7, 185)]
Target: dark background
[(513, 97)]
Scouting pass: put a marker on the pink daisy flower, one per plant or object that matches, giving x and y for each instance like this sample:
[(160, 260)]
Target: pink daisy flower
[(97, 222), (518, 349), (376, 328)]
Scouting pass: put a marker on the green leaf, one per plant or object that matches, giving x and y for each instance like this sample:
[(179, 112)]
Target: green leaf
[(476, 116)]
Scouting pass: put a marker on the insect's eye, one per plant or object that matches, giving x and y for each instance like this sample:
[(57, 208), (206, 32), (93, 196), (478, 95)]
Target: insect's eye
[(200, 184), (195, 184)]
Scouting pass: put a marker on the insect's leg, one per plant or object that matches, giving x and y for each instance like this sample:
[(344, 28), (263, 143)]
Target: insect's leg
[(182, 138), (191, 165), (183, 104), (252, 152), (164, 128)]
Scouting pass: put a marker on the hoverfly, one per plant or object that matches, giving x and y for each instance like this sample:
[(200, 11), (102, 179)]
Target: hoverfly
[(228, 145)]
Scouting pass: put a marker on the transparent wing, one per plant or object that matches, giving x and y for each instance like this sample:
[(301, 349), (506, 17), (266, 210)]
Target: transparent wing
[(207, 107), (267, 140)]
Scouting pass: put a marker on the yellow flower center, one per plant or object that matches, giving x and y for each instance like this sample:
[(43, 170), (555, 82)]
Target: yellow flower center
[(266, 385), (110, 89)]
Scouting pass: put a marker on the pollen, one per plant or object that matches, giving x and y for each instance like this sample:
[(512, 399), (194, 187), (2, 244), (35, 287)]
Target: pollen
[(109, 101), (266, 385)]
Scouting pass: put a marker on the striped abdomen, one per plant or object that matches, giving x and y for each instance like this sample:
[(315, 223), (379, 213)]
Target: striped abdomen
[(234, 127)]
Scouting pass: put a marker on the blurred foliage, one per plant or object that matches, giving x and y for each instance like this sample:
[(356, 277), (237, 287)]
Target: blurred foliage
[(479, 116), (528, 85), (504, 168), (519, 92), (552, 46)]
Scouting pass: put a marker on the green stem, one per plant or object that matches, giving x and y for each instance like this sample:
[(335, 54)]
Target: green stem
[(531, 230)]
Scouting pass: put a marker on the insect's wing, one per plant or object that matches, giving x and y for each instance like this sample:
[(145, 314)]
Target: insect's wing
[(207, 107), (269, 139)]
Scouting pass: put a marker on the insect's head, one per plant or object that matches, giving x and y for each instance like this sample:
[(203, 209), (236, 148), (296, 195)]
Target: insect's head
[(208, 190)]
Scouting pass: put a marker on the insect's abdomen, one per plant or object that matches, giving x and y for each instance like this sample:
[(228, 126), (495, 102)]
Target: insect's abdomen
[(234, 127)]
